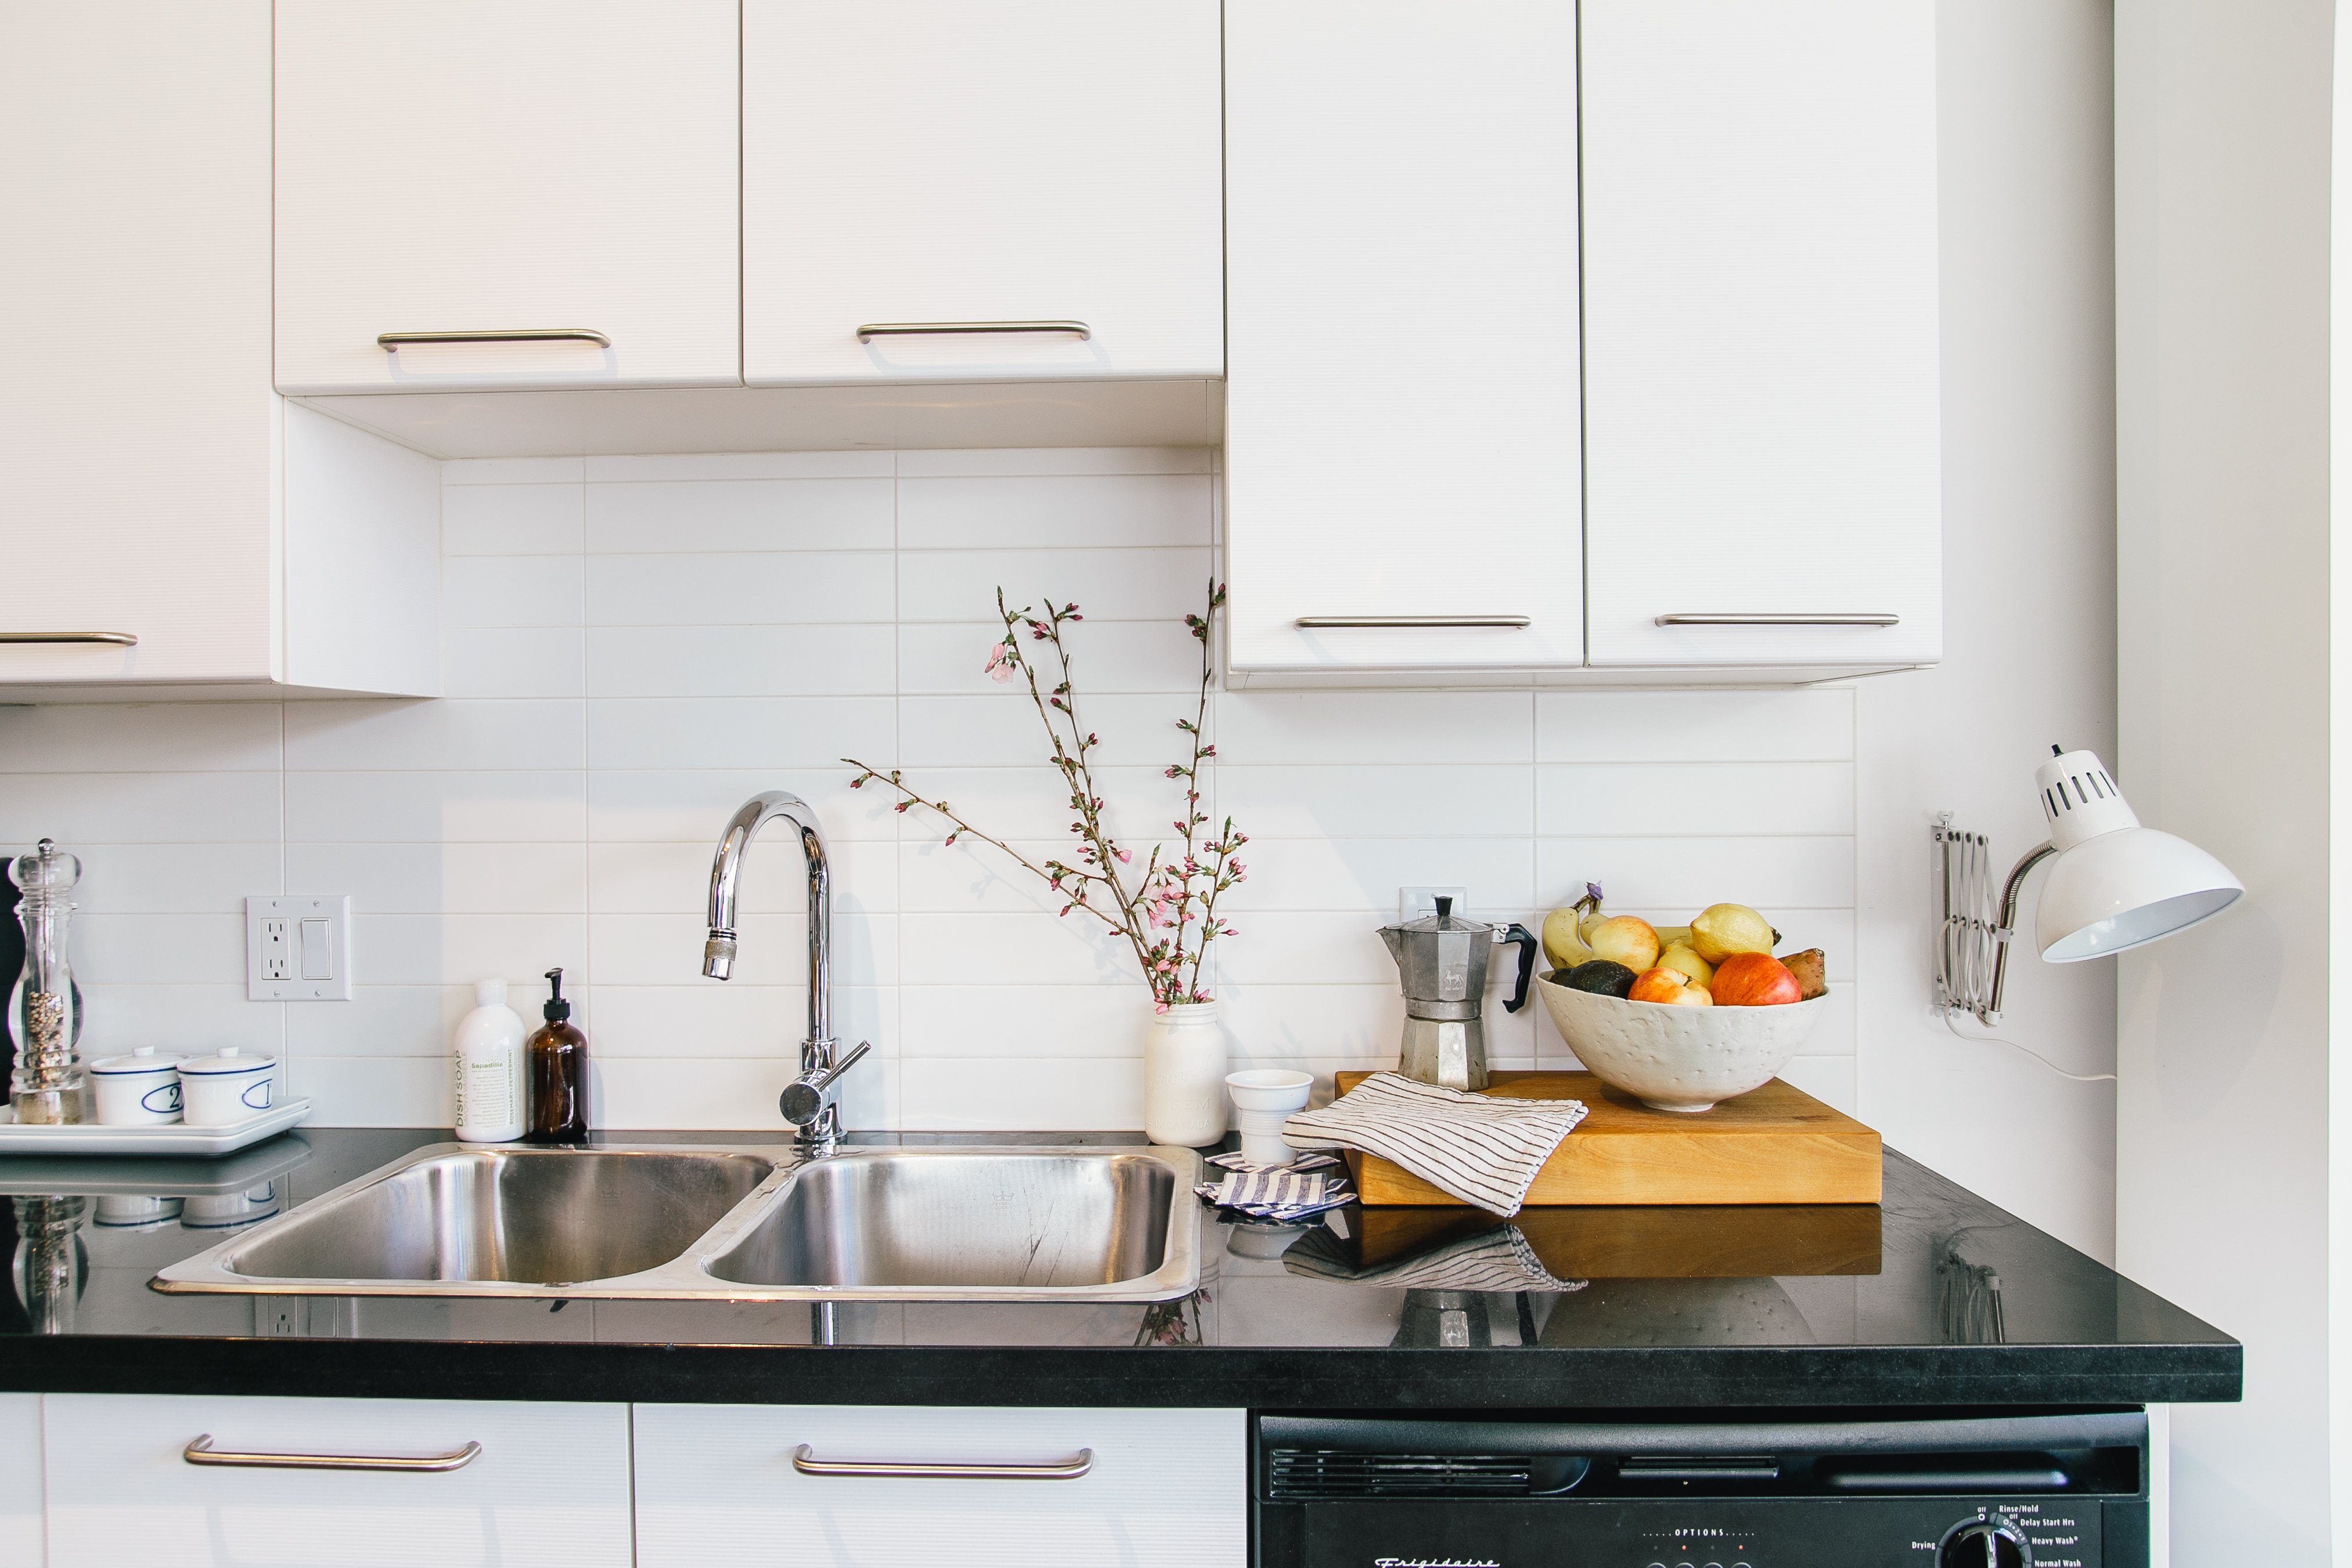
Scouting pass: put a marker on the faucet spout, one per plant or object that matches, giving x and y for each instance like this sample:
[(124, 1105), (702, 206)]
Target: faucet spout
[(820, 1123)]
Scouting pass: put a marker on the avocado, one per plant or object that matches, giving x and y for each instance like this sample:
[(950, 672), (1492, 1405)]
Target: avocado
[(1601, 976)]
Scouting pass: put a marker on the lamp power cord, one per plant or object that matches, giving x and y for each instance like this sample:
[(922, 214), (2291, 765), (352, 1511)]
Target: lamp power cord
[(1952, 1023)]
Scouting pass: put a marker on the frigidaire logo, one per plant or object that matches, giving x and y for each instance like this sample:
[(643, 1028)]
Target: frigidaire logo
[(1435, 1563)]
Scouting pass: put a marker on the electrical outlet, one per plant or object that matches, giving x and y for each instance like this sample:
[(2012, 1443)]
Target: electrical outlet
[(298, 947), (1414, 903), (276, 950), (281, 1317)]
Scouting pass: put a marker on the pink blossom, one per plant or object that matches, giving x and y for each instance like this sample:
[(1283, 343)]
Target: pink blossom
[(1124, 858), (1000, 664)]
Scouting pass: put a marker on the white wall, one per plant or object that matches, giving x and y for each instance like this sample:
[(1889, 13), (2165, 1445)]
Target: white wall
[(2222, 159), (2029, 567), (634, 645)]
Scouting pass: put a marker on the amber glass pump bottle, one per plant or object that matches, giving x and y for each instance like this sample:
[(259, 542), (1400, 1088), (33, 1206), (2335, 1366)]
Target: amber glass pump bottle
[(559, 1072)]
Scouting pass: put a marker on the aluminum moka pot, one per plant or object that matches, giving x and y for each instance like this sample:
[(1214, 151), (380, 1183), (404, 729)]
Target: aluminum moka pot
[(1442, 960)]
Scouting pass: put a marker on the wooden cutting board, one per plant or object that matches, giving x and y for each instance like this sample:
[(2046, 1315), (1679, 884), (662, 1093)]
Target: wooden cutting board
[(1774, 1144), (1652, 1242)]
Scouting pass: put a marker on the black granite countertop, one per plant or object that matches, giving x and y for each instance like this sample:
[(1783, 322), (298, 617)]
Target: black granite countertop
[(1935, 1299)]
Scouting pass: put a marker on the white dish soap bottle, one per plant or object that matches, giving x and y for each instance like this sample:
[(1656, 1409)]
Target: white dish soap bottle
[(489, 1058)]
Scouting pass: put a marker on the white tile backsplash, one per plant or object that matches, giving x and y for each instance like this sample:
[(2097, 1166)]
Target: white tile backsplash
[(635, 645)]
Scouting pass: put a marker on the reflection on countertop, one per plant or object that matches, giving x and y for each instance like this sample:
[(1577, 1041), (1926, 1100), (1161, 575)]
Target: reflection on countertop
[(1898, 1292)]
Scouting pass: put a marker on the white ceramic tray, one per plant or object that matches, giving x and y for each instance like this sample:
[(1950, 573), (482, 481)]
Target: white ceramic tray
[(174, 1138)]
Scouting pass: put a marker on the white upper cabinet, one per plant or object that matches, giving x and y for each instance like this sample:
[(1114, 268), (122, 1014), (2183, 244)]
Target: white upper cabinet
[(167, 524), (1761, 405), (1401, 405), (500, 166), (1048, 165)]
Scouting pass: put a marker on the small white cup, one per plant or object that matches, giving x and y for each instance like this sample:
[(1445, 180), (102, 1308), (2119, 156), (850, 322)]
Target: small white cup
[(140, 1090), (1264, 1098), (223, 1089)]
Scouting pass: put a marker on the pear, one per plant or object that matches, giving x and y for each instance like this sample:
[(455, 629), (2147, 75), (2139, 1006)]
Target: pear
[(1682, 955), (1723, 929)]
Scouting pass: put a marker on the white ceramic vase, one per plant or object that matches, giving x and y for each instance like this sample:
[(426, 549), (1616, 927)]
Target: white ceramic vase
[(1184, 1076)]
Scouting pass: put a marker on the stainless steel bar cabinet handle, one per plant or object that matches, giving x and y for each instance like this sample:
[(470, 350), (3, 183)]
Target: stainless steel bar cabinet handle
[(115, 639), (202, 1452), (874, 329), (1728, 618), (805, 1461), (1493, 622), (391, 342)]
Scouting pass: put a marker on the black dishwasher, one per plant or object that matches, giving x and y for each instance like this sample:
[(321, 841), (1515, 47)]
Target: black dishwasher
[(2041, 1491)]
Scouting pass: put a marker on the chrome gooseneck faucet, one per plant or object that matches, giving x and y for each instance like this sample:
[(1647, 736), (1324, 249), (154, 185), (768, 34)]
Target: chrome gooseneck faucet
[(807, 1102)]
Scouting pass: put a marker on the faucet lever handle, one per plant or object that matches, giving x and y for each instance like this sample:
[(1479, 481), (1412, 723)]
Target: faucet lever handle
[(803, 1101), (844, 1065)]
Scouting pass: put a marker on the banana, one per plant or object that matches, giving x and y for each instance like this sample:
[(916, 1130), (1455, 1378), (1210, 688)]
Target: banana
[(1562, 943)]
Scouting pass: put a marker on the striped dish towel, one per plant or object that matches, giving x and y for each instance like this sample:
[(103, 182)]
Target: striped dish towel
[(1485, 1152), (1279, 1192)]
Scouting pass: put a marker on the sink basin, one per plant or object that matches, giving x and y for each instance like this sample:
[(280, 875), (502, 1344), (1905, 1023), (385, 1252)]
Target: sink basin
[(732, 1223), (1009, 1223), (532, 1216)]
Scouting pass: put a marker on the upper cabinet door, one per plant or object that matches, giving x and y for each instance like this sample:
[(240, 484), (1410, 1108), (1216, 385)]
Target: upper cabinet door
[(1401, 439), (1046, 166), (500, 166), (1762, 402)]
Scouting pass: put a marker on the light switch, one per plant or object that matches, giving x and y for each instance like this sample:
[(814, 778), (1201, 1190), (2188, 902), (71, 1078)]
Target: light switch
[(298, 947), (318, 964)]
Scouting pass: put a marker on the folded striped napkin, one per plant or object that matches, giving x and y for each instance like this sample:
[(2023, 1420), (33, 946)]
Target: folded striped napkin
[(1485, 1152), (1278, 1192)]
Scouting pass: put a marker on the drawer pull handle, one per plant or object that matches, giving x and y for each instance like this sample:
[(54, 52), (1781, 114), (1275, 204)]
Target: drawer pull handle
[(804, 1460), (202, 1452), (874, 329), (118, 639), (1492, 623), (391, 342), (1759, 619)]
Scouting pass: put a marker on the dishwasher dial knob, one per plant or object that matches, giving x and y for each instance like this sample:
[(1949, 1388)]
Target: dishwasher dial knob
[(1984, 1544)]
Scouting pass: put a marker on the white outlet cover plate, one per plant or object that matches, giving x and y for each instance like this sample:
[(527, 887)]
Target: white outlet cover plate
[(298, 947), (1415, 903)]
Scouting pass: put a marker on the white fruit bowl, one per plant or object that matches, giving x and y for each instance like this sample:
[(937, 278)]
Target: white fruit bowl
[(1674, 1057)]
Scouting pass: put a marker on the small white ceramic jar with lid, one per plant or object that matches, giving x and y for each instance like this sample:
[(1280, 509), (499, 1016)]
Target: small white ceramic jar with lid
[(140, 1090), (218, 1090)]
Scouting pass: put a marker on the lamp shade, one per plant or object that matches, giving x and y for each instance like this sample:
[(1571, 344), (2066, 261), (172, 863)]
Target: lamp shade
[(2125, 887), (2115, 884)]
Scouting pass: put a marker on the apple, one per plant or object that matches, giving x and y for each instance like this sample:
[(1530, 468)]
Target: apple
[(1626, 939), (1672, 988), (1754, 980)]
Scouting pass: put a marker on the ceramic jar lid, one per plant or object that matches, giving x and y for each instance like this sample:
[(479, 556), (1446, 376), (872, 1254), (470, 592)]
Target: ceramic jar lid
[(230, 1059), (143, 1059)]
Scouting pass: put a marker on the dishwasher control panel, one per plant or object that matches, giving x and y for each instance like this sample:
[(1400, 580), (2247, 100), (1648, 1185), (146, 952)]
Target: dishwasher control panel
[(1779, 1533)]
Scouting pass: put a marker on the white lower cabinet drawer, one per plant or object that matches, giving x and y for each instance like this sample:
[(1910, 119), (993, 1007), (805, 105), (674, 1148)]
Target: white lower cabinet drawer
[(718, 1486), (549, 1486)]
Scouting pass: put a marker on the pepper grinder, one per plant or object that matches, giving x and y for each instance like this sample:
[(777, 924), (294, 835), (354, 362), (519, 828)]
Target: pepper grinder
[(44, 1010)]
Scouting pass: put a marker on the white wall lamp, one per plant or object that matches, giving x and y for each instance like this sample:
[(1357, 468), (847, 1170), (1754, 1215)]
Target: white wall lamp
[(2115, 886)]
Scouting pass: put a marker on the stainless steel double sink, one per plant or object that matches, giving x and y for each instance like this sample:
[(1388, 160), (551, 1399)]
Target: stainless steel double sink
[(732, 1223)]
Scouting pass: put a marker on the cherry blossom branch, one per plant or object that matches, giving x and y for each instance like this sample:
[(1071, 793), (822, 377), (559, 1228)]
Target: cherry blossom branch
[(1174, 895)]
